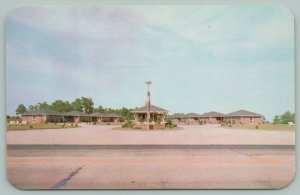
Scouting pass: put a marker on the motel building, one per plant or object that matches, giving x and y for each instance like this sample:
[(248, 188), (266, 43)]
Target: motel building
[(157, 117), (244, 117), (212, 117), (178, 118), (42, 116), (192, 118), (76, 117), (112, 118), (99, 117), (52, 116), (237, 117)]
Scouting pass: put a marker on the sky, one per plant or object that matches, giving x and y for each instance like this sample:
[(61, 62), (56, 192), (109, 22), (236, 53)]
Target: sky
[(199, 58)]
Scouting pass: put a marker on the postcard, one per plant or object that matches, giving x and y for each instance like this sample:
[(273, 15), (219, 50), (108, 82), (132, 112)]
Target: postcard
[(150, 97)]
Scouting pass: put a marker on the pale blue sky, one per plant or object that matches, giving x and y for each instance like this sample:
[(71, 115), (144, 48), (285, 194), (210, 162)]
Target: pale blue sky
[(199, 58)]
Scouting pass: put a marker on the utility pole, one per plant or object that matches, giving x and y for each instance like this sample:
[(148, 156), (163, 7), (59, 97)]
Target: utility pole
[(148, 83)]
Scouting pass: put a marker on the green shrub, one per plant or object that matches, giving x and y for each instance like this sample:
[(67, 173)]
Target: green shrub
[(158, 120), (168, 121), (76, 125), (72, 124), (108, 123), (200, 122), (127, 124), (62, 126), (227, 122), (171, 126), (30, 126), (222, 124), (230, 125), (256, 127)]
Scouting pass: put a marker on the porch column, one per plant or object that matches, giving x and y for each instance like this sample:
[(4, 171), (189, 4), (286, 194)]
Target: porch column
[(136, 117), (163, 118)]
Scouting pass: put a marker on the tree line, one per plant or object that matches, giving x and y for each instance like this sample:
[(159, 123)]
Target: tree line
[(284, 118), (83, 104)]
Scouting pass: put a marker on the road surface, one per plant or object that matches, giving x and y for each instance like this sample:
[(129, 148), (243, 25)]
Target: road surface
[(146, 167)]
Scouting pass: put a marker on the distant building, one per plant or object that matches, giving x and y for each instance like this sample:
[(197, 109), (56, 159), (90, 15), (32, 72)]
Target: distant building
[(52, 116), (97, 117), (112, 118), (212, 117), (178, 118), (244, 117), (192, 118), (157, 117), (76, 117), (238, 117), (42, 116)]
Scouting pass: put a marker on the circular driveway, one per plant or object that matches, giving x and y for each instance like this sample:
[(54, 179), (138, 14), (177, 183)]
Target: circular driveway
[(189, 135)]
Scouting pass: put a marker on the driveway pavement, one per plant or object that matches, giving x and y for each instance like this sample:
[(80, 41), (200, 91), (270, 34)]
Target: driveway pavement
[(189, 135)]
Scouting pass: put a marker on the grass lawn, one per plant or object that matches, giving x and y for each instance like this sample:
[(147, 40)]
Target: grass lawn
[(38, 126), (274, 127)]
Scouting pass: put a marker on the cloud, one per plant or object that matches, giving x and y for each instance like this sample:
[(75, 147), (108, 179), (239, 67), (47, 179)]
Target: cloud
[(200, 53)]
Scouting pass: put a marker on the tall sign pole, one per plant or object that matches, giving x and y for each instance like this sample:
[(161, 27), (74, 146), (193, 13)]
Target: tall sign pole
[(148, 102)]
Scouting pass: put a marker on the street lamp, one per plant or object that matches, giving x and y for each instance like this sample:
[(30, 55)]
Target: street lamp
[(148, 83)]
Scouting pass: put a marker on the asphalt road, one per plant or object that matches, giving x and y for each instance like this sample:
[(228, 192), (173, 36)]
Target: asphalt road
[(148, 167)]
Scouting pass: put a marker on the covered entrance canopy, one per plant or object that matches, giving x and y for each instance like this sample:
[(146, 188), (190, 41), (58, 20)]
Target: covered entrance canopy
[(157, 117)]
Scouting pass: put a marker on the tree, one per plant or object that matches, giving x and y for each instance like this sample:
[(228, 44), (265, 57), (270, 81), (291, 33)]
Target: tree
[(126, 113), (61, 106), (32, 107), (99, 109), (76, 104), (284, 118), (87, 104), (83, 104), (43, 105), (20, 109), (276, 119), (287, 117)]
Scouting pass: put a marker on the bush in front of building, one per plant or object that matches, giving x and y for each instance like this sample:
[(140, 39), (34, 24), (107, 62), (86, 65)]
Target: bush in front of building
[(127, 124), (169, 123)]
